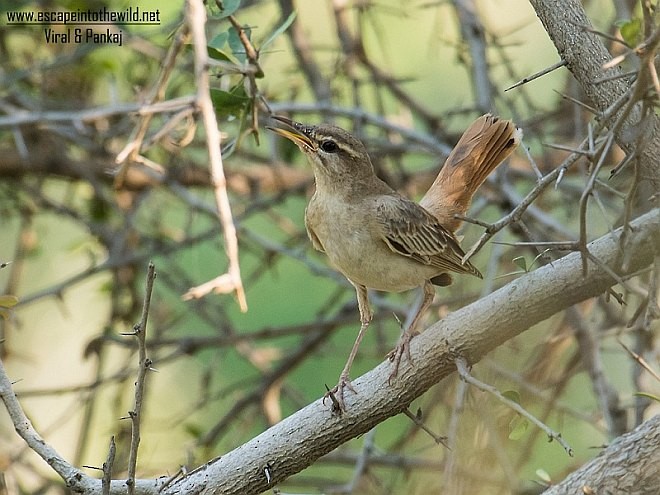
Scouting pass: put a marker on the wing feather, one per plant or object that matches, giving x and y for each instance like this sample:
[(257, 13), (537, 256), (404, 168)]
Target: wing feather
[(409, 230)]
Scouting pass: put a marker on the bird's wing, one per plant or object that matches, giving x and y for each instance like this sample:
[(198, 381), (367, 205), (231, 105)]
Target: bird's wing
[(409, 230)]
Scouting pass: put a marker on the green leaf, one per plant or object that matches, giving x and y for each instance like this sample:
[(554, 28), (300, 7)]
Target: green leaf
[(232, 102), (216, 54), (283, 27), (235, 44), (518, 427), (219, 41), (520, 262), (230, 6), (512, 395), (8, 301), (631, 31), (539, 256), (216, 48)]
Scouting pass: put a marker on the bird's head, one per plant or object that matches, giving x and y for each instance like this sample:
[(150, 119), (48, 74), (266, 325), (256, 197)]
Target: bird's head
[(333, 152)]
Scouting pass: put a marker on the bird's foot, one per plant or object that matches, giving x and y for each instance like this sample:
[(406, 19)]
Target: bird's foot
[(336, 394), (397, 353)]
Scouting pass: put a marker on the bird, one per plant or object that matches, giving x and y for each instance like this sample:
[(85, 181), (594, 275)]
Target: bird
[(379, 239)]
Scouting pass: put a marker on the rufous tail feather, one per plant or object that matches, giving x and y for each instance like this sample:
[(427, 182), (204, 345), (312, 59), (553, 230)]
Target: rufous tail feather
[(482, 147)]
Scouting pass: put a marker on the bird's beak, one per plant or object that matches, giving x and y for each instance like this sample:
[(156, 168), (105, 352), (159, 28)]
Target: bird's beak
[(295, 132)]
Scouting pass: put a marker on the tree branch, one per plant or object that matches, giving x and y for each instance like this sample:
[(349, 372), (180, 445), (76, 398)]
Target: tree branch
[(144, 365), (628, 465), (230, 281), (587, 58), (297, 441), (27, 432)]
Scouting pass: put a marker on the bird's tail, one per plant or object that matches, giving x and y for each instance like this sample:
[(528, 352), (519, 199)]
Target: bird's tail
[(482, 147)]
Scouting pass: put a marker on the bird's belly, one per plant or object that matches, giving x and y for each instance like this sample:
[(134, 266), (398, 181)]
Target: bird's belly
[(368, 261)]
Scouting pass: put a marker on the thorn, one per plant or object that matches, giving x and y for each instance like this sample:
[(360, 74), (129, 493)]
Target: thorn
[(536, 75), (569, 149), (588, 108), (336, 406)]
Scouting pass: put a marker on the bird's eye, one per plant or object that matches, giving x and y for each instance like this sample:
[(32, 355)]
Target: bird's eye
[(329, 146)]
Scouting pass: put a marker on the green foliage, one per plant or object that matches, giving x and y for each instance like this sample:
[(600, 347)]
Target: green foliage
[(228, 46), (216, 48), (521, 262), (631, 31), (512, 395), (230, 103), (228, 7), (278, 31), (235, 43), (518, 425)]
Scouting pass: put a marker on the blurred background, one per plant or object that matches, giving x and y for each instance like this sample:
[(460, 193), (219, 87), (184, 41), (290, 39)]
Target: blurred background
[(78, 231)]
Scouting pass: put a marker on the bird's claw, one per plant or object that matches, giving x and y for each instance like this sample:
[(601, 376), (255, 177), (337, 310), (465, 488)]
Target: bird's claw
[(396, 354)]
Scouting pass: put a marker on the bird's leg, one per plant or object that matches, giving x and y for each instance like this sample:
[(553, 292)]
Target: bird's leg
[(404, 342), (366, 316)]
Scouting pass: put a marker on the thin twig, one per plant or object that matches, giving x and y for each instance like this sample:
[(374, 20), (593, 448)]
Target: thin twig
[(144, 364), (107, 467), (609, 271), (71, 476), (536, 75), (464, 373), (532, 162), (640, 360), (361, 464), (302, 50), (436, 438), (132, 148), (591, 356), (520, 208), (452, 434), (584, 200), (93, 114), (652, 310), (579, 103), (558, 245), (196, 17), (252, 54), (473, 32), (570, 149), (181, 472), (585, 147)]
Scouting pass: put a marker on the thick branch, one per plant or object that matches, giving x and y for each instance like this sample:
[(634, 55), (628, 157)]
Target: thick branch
[(628, 465), (297, 441), (585, 55)]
